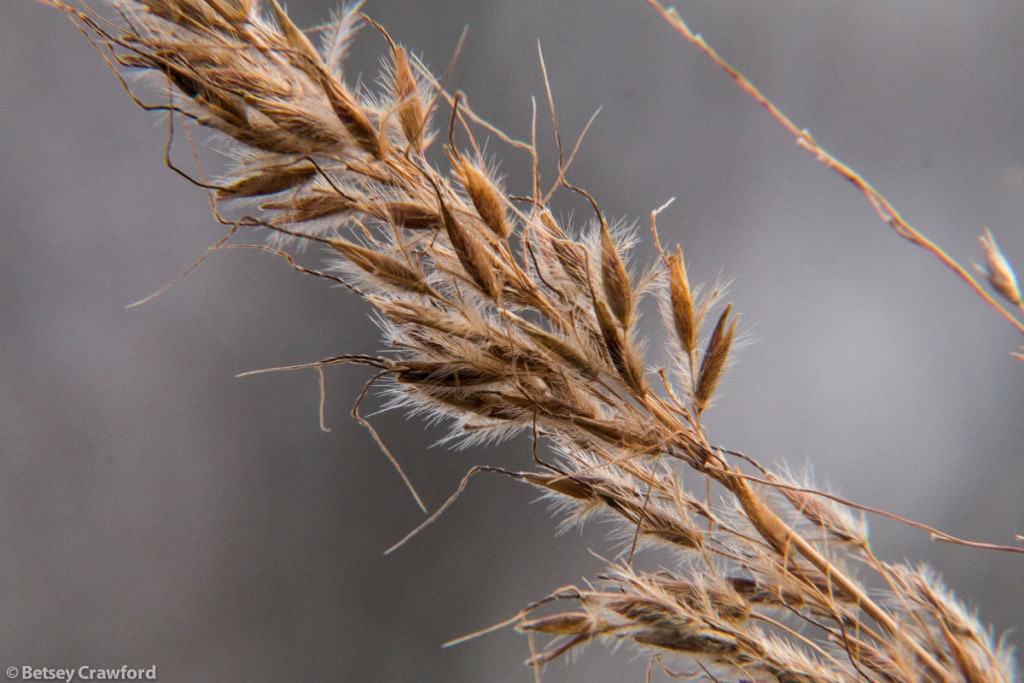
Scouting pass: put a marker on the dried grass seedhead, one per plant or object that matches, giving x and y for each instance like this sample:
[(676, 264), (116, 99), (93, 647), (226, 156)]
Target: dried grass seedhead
[(499, 319)]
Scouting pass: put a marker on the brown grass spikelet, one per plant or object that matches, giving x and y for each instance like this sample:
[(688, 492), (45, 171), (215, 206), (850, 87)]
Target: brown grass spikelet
[(351, 114), (316, 203), (374, 262), (620, 351), (486, 196), (683, 314), (411, 112), (471, 252), (549, 224), (564, 624), (618, 290), (572, 257), (302, 53), (299, 123), (564, 349), (404, 214), (405, 91), (716, 354), (269, 178)]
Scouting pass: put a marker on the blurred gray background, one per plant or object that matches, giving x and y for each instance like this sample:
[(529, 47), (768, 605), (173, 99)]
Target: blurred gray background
[(154, 509)]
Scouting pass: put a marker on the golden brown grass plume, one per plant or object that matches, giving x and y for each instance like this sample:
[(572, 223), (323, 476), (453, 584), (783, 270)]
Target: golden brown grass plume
[(501, 320)]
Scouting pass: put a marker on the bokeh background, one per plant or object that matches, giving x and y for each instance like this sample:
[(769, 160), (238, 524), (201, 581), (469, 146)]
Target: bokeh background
[(154, 509)]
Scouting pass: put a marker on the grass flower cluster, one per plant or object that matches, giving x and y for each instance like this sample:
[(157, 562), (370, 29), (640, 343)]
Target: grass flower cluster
[(499, 319)]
